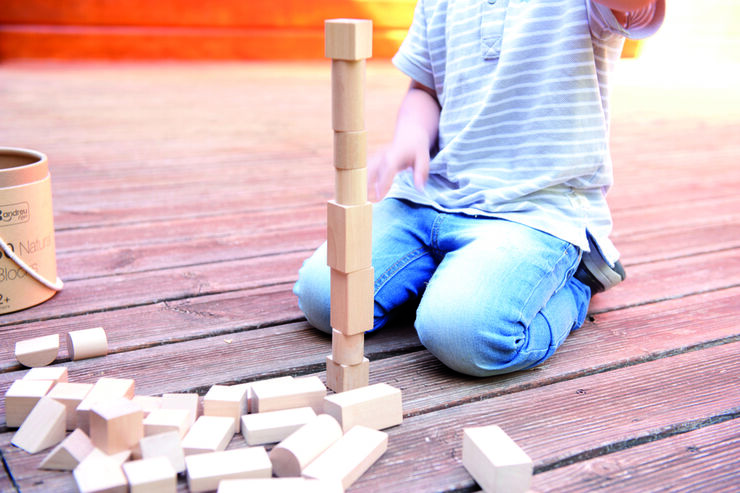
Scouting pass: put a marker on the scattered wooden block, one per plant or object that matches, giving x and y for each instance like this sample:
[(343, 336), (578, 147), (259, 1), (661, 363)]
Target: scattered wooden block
[(189, 402), (274, 426), (495, 461), (43, 428), (39, 351), (341, 378), (350, 150), (205, 471), (116, 425), (87, 343), (71, 394), (291, 456), (349, 457), (99, 473), (348, 39), (350, 186), (289, 394), (154, 475), (56, 373), (252, 408), (347, 350), (69, 453), (21, 397), (352, 304), (105, 388), (349, 236), (377, 406), (279, 485), (348, 95), (227, 400), (164, 445), (147, 403), (208, 434), (166, 420)]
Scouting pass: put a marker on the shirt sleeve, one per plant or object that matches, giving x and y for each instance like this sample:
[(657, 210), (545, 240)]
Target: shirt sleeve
[(413, 57), (641, 23)]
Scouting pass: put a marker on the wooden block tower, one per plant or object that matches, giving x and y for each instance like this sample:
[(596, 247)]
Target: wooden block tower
[(348, 42)]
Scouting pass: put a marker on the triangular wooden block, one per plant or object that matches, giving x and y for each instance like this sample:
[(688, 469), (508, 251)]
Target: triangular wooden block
[(43, 428), (68, 454)]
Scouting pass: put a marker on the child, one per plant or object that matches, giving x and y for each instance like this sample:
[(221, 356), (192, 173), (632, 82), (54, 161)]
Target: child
[(495, 220)]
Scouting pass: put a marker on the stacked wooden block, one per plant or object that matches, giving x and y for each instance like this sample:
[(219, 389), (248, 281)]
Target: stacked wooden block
[(348, 42)]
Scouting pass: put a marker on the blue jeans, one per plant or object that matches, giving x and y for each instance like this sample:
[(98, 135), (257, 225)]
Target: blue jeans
[(493, 296)]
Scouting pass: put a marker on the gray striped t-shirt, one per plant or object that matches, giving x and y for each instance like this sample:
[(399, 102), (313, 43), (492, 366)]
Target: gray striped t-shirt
[(523, 132)]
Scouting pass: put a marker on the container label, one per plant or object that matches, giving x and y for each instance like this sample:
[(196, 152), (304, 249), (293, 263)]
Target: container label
[(12, 214)]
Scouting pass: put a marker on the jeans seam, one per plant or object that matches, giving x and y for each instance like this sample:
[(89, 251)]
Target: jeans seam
[(397, 266)]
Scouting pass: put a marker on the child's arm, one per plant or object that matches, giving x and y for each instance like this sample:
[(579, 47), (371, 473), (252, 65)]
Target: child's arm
[(621, 7), (416, 131)]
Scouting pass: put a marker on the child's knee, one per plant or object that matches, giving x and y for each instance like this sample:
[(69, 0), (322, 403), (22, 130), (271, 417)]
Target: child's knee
[(313, 292)]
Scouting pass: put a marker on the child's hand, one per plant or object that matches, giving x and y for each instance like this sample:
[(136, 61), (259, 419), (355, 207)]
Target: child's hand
[(406, 151)]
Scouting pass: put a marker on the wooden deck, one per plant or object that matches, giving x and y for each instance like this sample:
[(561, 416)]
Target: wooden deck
[(187, 195)]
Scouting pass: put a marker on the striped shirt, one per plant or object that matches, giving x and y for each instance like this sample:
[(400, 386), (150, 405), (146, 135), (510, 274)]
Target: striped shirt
[(523, 131)]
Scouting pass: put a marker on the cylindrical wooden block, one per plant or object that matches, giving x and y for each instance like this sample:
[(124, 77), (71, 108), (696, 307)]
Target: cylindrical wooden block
[(350, 150), (350, 186), (293, 454), (87, 343), (347, 350), (348, 95)]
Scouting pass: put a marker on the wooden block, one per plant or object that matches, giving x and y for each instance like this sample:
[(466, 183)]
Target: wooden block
[(166, 445), (105, 388), (350, 150), (205, 471), (289, 394), (154, 475), (71, 394), (43, 428), (189, 402), (349, 458), (349, 236), (280, 485), (166, 420), (266, 382), (69, 453), (116, 425), (227, 400), (495, 461), (55, 373), (39, 351), (350, 186), (147, 403), (341, 378), (274, 426), (87, 343), (377, 406), (208, 434), (352, 303), (291, 456), (347, 350), (21, 398), (348, 95), (348, 39), (99, 473)]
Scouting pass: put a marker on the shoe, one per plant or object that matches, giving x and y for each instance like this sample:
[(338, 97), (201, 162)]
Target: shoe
[(596, 273)]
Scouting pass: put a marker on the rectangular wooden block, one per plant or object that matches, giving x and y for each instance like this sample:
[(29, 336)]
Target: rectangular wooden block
[(289, 394), (349, 236), (280, 485), (252, 408), (116, 425), (43, 428), (147, 403), (71, 394), (227, 400), (55, 373), (350, 150), (348, 95), (69, 452), (188, 401), (104, 389), (166, 445), (274, 426), (341, 378), (21, 397), (352, 302), (205, 471), (350, 186), (347, 350), (99, 472), (165, 420), (376, 406), (208, 434), (348, 39), (349, 457), (495, 461), (154, 475)]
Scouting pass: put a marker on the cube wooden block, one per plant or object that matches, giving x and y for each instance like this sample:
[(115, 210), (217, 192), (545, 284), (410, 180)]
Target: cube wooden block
[(347, 350), (274, 426), (154, 475), (279, 485), (352, 302), (348, 39), (43, 428), (376, 406), (39, 351), (166, 445), (495, 461), (348, 95), (188, 401), (208, 434), (227, 400), (71, 394), (349, 236), (21, 397), (341, 378), (87, 343), (69, 452), (350, 186), (349, 457), (350, 150), (291, 456), (205, 471), (116, 425), (55, 373), (289, 394), (166, 420), (104, 389), (99, 472)]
